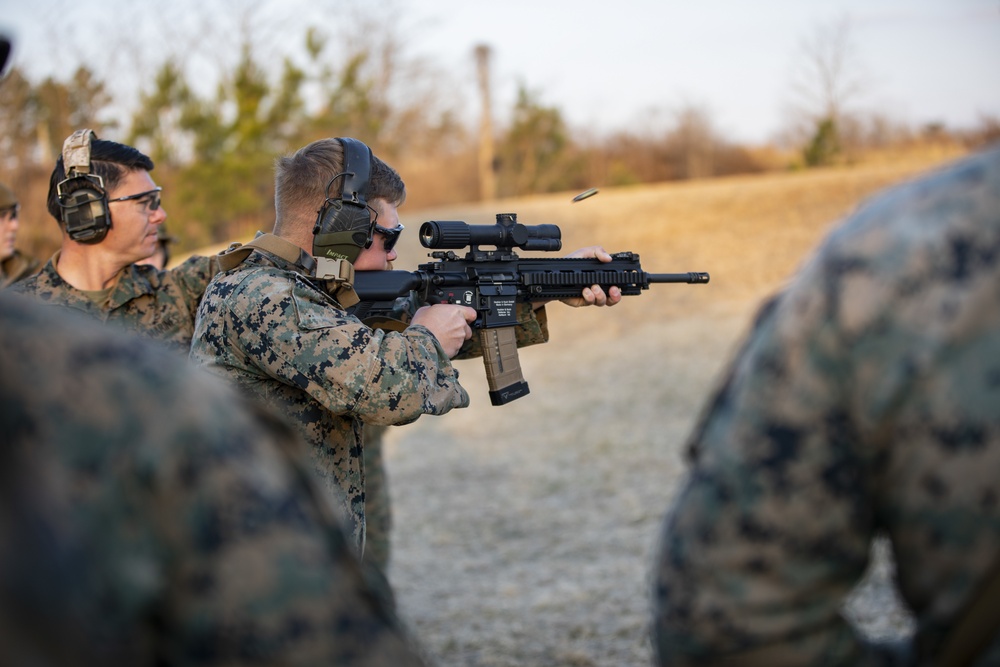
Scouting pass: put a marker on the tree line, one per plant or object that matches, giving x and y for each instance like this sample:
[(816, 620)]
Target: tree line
[(214, 152)]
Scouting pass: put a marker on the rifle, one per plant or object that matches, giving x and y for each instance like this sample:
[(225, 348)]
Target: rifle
[(493, 281)]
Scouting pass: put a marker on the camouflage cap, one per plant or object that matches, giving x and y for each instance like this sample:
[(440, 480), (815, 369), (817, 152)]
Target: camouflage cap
[(7, 198)]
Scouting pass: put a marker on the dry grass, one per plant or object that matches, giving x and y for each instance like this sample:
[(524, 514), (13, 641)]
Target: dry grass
[(525, 533)]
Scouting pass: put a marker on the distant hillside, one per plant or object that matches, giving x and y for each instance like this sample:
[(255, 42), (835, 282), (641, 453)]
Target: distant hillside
[(749, 232)]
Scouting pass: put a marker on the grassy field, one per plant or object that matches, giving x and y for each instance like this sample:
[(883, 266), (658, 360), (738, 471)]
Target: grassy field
[(525, 533)]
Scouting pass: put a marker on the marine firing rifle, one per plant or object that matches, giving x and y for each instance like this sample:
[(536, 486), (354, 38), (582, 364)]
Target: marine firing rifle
[(493, 281)]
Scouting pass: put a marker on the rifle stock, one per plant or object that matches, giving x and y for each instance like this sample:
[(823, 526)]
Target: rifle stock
[(494, 281)]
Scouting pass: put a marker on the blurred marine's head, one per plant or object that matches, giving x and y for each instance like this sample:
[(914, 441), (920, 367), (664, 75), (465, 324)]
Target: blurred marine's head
[(9, 212)]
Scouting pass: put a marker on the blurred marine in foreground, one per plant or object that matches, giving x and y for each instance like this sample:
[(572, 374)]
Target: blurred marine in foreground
[(866, 400), (139, 528)]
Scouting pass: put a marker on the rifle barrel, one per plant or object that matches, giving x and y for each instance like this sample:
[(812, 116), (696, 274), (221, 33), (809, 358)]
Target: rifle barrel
[(691, 277)]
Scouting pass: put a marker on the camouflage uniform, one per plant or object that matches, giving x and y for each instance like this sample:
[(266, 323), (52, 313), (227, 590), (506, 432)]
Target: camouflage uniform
[(866, 399), (17, 267), (532, 329), (268, 328), (138, 527), (378, 503), (157, 304)]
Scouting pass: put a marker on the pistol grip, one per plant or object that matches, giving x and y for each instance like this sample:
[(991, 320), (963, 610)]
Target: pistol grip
[(503, 368)]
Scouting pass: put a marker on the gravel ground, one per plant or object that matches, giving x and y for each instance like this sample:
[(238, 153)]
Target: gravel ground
[(525, 533)]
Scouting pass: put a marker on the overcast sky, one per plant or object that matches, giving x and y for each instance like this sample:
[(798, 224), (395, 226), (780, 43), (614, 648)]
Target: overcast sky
[(614, 64)]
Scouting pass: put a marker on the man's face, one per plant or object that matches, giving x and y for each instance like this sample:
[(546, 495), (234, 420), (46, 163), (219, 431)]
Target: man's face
[(376, 258), (8, 231), (133, 222)]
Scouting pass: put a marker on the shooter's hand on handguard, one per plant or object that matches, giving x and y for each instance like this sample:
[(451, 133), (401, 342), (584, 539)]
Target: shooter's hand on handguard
[(593, 295)]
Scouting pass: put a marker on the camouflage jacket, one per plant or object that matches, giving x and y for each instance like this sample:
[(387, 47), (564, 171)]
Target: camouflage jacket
[(866, 400), (157, 304), (17, 267), (137, 527), (268, 328)]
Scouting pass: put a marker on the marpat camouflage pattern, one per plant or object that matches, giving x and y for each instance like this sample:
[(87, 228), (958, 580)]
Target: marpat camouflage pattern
[(265, 326), (532, 328), (160, 305), (866, 400), (17, 267), (151, 515)]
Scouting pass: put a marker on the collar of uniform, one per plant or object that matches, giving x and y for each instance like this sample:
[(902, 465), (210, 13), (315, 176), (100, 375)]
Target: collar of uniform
[(51, 287), (131, 283), (134, 281), (284, 254), (336, 278)]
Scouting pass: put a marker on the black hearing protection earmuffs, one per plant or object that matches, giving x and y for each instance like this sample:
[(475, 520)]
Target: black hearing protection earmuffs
[(343, 225), (82, 198)]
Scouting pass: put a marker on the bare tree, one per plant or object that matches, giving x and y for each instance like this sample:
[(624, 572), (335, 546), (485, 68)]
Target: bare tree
[(828, 81), (693, 142), (487, 153)]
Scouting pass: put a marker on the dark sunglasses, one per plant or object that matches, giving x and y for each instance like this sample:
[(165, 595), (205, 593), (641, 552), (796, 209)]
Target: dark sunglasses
[(391, 235), (151, 204)]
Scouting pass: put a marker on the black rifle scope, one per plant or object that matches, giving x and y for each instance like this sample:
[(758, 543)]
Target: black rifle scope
[(507, 233)]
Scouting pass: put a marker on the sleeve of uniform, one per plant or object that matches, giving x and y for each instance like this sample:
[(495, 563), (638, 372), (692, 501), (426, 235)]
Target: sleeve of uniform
[(382, 377), (532, 328), (264, 569), (192, 277), (773, 526)]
